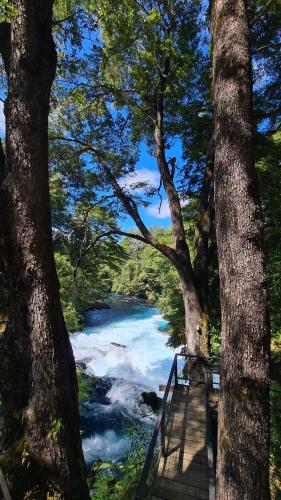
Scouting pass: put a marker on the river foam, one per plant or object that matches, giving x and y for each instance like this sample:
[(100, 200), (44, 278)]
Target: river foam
[(126, 343), (145, 359)]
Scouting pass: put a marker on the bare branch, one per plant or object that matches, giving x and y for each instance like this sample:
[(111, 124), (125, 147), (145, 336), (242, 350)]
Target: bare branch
[(160, 196), (269, 46)]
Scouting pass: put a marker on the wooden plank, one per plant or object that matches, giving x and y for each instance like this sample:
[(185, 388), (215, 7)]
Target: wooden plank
[(165, 486), (184, 473)]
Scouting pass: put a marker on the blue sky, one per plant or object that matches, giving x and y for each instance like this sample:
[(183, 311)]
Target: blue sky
[(2, 120), (147, 171)]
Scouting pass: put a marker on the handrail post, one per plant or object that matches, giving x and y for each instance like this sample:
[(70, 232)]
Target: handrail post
[(163, 435), (210, 452), (176, 372)]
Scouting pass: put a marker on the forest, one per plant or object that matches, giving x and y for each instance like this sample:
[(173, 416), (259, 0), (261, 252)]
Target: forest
[(140, 204)]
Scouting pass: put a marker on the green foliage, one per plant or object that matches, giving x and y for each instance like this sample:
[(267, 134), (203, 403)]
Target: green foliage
[(85, 384), (268, 151), (82, 286), (7, 11), (118, 481), (57, 427), (84, 258)]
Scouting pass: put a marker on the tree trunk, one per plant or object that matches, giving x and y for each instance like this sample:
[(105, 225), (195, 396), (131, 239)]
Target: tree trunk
[(196, 321), (243, 450), (195, 318), (41, 442), (196, 340)]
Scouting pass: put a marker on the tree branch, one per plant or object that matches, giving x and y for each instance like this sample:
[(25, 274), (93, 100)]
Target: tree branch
[(2, 162), (93, 243), (269, 46), (60, 21), (181, 247), (128, 203), (260, 13)]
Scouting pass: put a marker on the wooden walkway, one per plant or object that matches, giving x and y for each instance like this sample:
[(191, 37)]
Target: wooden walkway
[(185, 474)]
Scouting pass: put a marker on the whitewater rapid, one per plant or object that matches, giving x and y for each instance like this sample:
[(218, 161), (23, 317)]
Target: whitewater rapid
[(126, 344)]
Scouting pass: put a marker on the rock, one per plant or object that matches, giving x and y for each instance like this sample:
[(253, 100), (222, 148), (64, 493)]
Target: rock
[(151, 399), (81, 365), (118, 345)]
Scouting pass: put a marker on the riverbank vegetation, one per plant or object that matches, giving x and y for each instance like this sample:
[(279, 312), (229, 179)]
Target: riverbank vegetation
[(92, 91)]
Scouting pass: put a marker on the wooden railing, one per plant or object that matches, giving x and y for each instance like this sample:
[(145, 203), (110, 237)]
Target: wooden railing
[(157, 447)]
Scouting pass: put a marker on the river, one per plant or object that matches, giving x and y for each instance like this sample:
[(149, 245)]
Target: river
[(125, 346)]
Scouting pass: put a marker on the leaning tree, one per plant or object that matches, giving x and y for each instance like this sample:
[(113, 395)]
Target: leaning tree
[(131, 84)]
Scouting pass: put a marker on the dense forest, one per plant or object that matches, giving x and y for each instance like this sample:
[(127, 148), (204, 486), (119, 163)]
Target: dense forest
[(140, 157)]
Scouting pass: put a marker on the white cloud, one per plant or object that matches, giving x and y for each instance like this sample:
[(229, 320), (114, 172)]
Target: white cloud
[(2, 120), (164, 211), (152, 177)]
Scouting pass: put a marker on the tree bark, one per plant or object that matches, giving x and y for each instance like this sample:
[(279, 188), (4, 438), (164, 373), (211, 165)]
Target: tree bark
[(41, 445), (243, 449)]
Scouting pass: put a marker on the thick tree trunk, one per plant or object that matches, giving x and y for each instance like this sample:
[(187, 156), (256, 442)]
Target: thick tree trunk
[(41, 446), (243, 450)]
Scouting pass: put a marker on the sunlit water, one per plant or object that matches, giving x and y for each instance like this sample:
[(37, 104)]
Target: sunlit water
[(126, 344)]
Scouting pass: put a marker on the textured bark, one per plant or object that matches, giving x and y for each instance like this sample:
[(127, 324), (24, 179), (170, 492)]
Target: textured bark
[(196, 331), (243, 450), (41, 446)]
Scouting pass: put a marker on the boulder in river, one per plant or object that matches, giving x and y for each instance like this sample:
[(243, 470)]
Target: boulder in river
[(151, 399)]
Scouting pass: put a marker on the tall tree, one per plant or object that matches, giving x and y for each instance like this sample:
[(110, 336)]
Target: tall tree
[(146, 69), (243, 452), (41, 446)]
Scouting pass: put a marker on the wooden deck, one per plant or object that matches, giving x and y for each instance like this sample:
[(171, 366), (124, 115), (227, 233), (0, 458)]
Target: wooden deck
[(184, 474)]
